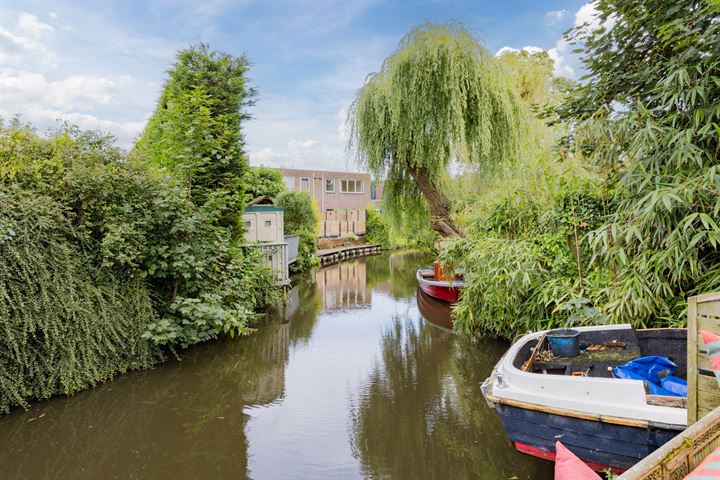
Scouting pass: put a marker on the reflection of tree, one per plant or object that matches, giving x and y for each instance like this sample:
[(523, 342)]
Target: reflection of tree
[(421, 414), (378, 270), (182, 420), (308, 303), (400, 282)]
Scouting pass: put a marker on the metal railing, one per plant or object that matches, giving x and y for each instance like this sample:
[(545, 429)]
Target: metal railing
[(293, 241)]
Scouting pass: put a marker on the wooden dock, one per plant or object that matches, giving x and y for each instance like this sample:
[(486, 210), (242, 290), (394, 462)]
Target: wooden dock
[(333, 255)]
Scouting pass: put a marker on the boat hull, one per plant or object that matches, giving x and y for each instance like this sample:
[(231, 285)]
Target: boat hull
[(447, 294), (601, 445)]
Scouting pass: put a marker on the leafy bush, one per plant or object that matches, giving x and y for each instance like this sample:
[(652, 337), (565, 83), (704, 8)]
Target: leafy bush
[(302, 217), (119, 255), (261, 181), (648, 116), (300, 212), (65, 324), (307, 248), (524, 254), (376, 230)]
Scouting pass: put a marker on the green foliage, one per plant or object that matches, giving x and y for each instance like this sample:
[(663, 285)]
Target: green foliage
[(65, 324), (648, 117), (300, 212), (307, 248), (439, 96), (580, 312), (376, 229), (521, 253), (261, 181), (531, 73), (119, 252), (195, 132), (625, 216), (302, 217)]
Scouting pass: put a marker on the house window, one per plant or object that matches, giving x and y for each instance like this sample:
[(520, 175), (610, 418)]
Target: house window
[(330, 185), (352, 186), (305, 184), (289, 182)]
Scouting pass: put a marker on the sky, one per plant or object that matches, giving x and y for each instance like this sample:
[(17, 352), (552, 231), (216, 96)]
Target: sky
[(101, 64)]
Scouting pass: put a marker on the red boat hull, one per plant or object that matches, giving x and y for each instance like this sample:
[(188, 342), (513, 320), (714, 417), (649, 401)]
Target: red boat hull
[(545, 455), (447, 294)]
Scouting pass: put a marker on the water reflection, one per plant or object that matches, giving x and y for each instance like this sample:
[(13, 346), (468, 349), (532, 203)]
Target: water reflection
[(420, 413), (346, 381), (434, 311), (344, 285)]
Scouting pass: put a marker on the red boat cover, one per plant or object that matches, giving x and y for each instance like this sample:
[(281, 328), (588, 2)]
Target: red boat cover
[(570, 467)]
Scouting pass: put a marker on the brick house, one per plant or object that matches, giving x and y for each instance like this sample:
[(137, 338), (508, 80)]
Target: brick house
[(341, 196)]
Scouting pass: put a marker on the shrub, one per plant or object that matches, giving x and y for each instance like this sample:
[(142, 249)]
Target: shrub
[(195, 132), (376, 230), (300, 212), (302, 217), (109, 256), (261, 181), (65, 324)]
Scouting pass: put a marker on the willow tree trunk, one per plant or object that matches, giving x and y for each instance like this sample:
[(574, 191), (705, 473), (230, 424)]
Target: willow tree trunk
[(437, 201)]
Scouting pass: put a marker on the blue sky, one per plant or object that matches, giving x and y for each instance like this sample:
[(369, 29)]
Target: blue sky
[(101, 64)]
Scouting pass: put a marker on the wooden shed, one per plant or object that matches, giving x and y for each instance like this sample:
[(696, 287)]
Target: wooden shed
[(265, 228)]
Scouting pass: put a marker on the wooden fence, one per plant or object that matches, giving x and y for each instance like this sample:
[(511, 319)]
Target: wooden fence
[(703, 389), (683, 453)]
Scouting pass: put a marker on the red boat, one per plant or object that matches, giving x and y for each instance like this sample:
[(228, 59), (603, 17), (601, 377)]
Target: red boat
[(446, 290)]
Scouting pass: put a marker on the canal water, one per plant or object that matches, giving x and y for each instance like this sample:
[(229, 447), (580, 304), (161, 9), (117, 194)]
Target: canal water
[(359, 377)]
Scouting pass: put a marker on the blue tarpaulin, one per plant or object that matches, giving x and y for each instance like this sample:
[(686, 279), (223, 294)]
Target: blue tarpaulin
[(657, 372)]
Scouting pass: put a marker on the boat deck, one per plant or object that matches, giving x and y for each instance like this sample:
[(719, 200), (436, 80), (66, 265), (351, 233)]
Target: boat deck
[(618, 347)]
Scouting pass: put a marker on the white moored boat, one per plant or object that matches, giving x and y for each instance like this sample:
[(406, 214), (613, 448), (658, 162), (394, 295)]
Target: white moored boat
[(608, 422)]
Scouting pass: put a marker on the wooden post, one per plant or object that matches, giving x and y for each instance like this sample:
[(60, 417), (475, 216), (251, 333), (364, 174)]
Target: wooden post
[(692, 352)]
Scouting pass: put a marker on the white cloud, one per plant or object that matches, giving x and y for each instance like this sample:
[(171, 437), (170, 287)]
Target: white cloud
[(73, 92), (588, 15), (27, 48), (302, 145), (33, 27), (506, 49), (555, 17), (563, 59), (43, 102), (558, 54), (532, 49), (44, 117)]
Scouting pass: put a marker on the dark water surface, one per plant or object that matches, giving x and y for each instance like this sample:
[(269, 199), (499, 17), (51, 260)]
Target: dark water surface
[(350, 382)]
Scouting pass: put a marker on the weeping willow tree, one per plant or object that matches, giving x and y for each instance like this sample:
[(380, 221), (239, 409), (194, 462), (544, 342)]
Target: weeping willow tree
[(439, 97)]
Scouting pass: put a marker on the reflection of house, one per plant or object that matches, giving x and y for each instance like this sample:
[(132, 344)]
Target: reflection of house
[(341, 196), (344, 286)]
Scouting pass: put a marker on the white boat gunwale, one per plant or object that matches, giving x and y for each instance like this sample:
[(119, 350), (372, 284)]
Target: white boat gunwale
[(606, 399), (437, 283)]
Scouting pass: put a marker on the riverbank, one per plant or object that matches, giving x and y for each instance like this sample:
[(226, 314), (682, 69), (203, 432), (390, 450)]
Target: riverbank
[(106, 265)]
